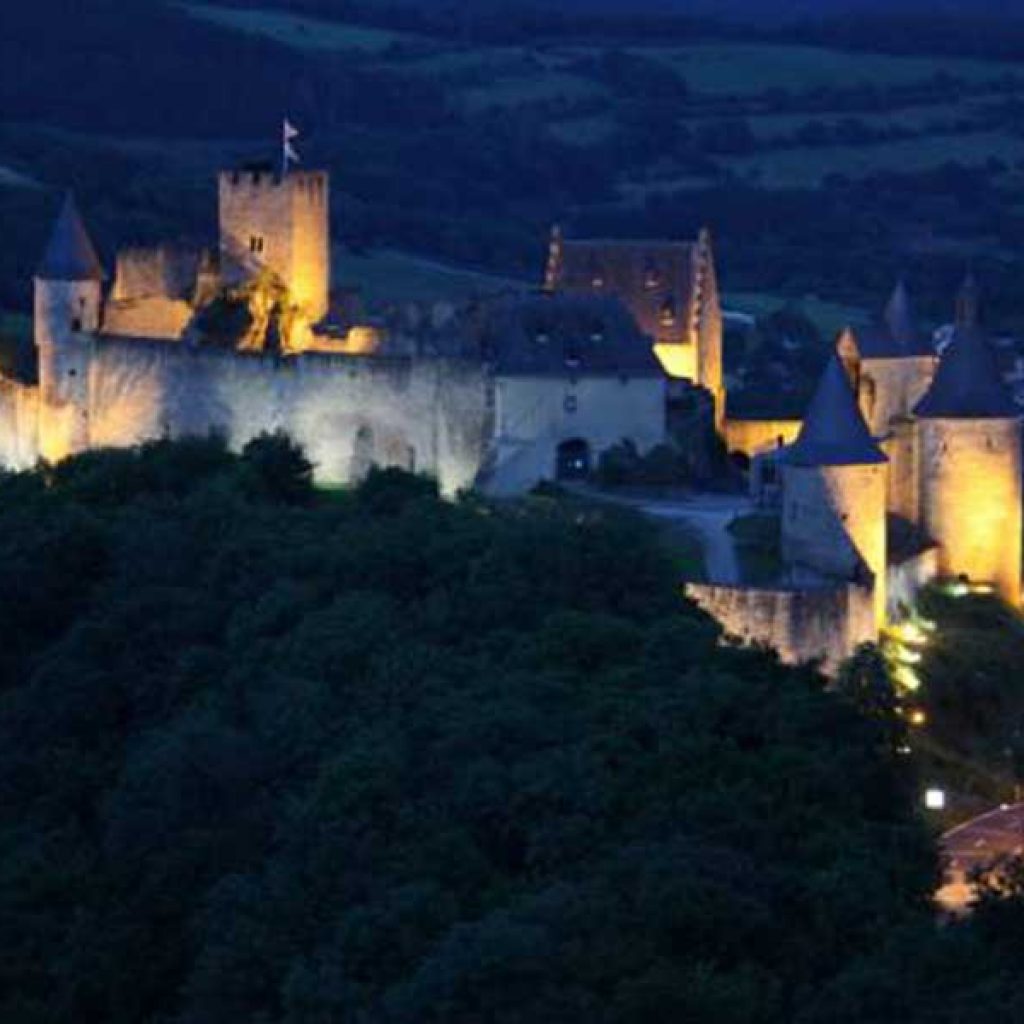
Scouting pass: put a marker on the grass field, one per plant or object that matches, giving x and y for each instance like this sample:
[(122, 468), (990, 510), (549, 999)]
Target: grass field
[(387, 275), (829, 317), (806, 167), (512, 92), (583, 131), (740, 69), (10, 178), (300, 32), (914, 119)]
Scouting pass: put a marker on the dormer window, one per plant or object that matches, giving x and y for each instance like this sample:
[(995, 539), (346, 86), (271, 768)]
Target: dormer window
[(652, 279), (257, 243), (668, 313)]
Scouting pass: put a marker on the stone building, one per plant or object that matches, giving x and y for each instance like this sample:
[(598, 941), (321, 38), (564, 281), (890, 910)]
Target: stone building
[(969, 464), (671, 288), (248, 338), (906, 468)]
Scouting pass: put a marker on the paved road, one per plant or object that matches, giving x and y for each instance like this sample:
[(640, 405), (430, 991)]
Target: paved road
[(977, 843), (707, 515)]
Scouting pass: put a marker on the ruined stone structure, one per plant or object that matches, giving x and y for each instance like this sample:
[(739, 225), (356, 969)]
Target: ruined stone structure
[(499, 395)]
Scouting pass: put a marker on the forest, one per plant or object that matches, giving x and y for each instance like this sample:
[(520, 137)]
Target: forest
[(280, 755)]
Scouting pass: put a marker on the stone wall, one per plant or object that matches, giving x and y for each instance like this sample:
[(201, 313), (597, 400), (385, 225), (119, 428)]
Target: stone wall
[(152, 317), (834, 522), (971, 498), (347, 411), (19, 410), (163, 272), (890, 388), (903, 451), (800, 624)]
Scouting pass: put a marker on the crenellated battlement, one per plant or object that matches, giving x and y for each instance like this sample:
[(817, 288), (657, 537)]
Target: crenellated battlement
[(280, 223)]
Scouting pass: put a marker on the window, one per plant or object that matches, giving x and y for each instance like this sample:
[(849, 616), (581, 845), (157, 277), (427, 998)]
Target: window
[(668, 312), (570, 404), (652, 279), (257, 244)]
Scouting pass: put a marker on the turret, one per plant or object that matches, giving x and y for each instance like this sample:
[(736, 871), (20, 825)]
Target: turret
[(900, 318), (971, 460), (834, 491), (68, 299)]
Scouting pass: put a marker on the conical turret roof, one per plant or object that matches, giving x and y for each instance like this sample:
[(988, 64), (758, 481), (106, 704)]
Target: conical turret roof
[(968, 384), (899, 314), (70, 255), (895, 335), (834, 432)]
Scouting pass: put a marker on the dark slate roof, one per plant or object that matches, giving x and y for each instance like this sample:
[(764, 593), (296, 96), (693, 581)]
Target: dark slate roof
[(652, 278), (70, 255), (896, 334), (834, 432), (967, 384), (548, 334)]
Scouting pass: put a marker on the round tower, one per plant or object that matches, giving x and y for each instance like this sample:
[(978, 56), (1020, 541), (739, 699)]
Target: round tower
[(835, 480), (68, 299), (970, 463)]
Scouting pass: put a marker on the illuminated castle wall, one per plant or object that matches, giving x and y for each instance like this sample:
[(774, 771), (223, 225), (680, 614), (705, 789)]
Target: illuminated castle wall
[(187, 343), (896, 443)]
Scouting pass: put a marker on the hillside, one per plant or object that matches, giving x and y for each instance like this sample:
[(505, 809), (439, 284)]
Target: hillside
[(820, 170), (269, 755)]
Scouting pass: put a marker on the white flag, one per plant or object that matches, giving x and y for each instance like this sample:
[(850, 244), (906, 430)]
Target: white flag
[(289, 153)]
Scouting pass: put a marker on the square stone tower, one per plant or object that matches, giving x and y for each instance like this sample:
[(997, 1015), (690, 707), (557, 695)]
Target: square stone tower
[(280, 223)]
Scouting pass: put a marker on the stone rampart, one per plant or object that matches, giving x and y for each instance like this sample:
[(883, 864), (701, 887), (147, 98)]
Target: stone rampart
[(348, 412), (801, 624)]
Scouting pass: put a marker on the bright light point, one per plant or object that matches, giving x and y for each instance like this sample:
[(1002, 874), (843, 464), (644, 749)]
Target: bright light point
[(911, 633), (918, 717), (906, 679), (935, 799), (905, 751), (958, 590), (909, 657)]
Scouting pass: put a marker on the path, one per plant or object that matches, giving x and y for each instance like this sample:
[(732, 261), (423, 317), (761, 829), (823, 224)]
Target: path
[(707, 515)]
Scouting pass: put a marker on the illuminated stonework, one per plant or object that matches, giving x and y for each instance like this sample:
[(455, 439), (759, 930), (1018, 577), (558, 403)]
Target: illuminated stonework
[(971, 499)]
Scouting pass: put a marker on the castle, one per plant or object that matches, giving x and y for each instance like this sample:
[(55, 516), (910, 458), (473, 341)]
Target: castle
[(906, 467), (498, 395)]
